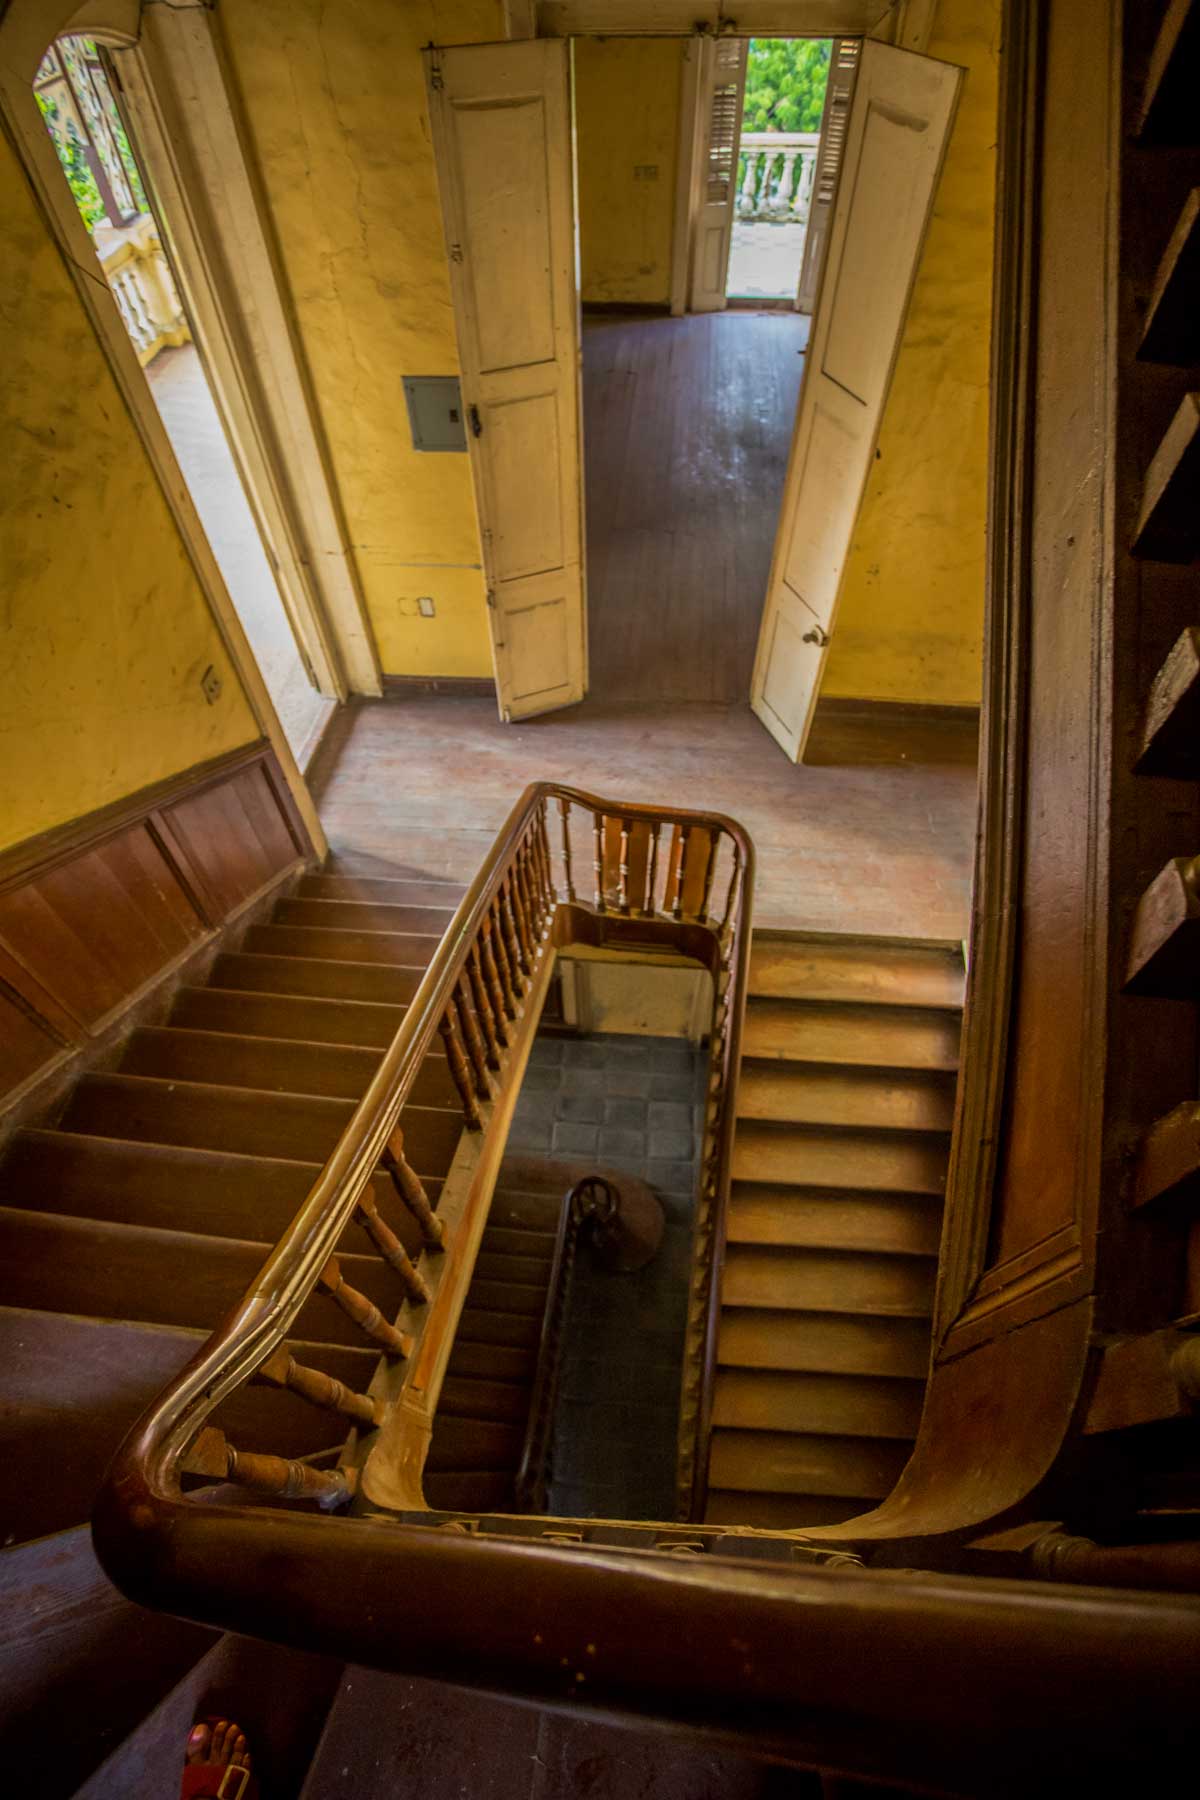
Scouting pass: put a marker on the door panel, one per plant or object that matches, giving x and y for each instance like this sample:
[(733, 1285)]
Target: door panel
[(722, 87), (500, 116), (898, 127)]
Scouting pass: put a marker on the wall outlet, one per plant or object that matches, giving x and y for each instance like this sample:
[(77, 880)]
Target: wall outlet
[(425, 606), (210, 685)]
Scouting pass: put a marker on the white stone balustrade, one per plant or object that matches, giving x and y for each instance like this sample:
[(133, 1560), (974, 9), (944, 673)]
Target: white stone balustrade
[(140, 277), (776, 171)]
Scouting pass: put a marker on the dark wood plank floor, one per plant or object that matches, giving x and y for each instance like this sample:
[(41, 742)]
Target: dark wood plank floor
[(687, 424), (424, 783)]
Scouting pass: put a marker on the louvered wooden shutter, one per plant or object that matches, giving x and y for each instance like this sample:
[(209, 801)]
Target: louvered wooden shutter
[(843, 68), (725, 121)]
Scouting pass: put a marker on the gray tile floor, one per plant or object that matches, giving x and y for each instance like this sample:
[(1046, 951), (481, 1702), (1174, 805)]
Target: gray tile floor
[(634, 1103)]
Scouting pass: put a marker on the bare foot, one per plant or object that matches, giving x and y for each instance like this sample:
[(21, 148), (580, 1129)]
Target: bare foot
[(220, 1748)]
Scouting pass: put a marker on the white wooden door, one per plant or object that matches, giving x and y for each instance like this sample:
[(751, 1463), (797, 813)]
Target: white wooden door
[(501, 122), (900, 121), (835, 115), (722, 88)]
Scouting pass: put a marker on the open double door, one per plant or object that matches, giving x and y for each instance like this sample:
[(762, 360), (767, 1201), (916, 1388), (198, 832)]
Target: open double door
[(501, 118)]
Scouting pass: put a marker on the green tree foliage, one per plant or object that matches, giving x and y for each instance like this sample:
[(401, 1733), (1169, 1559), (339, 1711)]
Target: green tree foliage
[(73, 157), (785, 83)]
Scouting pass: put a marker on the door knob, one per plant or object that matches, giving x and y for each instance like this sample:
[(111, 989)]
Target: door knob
[(816, 636)]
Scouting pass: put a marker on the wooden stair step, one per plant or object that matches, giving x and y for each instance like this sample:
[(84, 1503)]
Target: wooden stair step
[(104, 1271), (812, 1219), (839, 1405), (399, 949), (808, 1156), (823, 1343), (276, 1065), (74, 1385), (480, 1326), (501, 1266), (787, 1462), (827, 1281), (507, 1297), (203, 1116), (855, 969), (1165, 935), (778, 1512), (1168, 529), (486, 1491), (310, 977), (401, 890), (363, 915), (80, 1666), (474, 1444), (170, 1186), (302, 1016), (906, 1037), (1171, 333), (473, 1397), (506, 1240), (525, 1212), (892, 1101), (491, 1362)]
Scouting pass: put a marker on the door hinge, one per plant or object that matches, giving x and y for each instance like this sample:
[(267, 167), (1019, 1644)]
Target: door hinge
[(436, 80), (818, 635), (491, 598), (476, 421), (456, 253)]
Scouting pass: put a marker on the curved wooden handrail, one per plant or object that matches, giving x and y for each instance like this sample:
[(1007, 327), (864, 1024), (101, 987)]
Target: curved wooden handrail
[(145, 1477)]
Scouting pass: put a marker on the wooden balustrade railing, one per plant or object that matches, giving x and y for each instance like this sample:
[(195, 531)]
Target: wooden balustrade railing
[(473, 999), (836, 1666), (776, 171)]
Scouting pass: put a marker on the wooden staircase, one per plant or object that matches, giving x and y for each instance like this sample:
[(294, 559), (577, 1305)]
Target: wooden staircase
[(844, 1109), (130, 1223)]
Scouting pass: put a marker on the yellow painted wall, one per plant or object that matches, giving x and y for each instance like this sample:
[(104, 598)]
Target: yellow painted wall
[(334, 97), (104, 632), (910, 617), (626, 121)]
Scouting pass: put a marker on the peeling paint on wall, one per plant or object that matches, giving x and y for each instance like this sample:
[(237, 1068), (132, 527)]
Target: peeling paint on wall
[(104, 630), (910, 617), (334, 97)]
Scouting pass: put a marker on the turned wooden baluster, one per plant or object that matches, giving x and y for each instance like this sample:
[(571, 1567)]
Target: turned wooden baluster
[(510, 939), (212, 1454), (685, 833), (516, 903), (281, 1370), (365, 1314), (483, 1007), (564, 807), (709, 871), (459, 1067), (623, 868), (497, 939), (391, 1249), (535, 897), (501, 1012), (469, 1027), (408, 1185), (598, 860), (549, 892), (652, 878), (527, 929), (731, 894)]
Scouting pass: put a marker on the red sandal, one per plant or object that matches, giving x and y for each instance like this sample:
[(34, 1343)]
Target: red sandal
[(216, 1781)]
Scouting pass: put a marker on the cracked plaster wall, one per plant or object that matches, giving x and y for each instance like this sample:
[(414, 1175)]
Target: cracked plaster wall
[(910, 617), (104, 631), (334, 97), (626, 119)]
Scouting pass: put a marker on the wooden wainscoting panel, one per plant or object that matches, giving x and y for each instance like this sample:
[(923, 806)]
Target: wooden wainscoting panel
[(26, 1043), (97, 914), (98, 926), (234, 837)]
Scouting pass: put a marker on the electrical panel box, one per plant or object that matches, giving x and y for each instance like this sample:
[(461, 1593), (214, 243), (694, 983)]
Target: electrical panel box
[(435, 412)]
